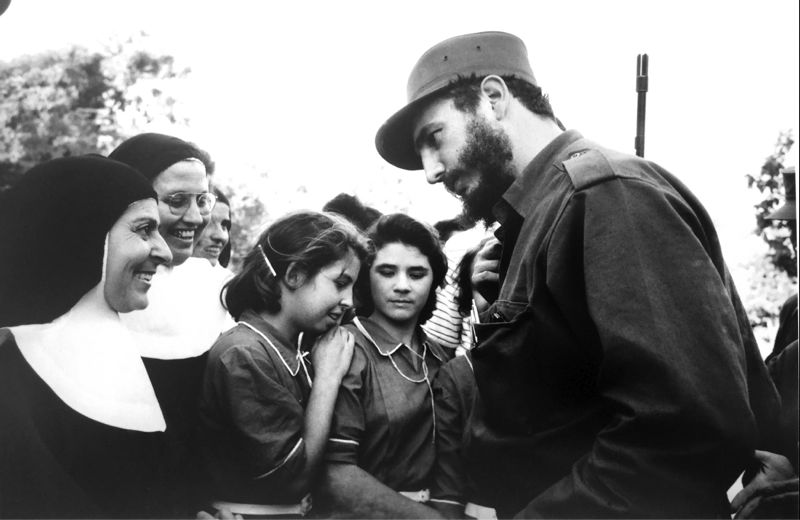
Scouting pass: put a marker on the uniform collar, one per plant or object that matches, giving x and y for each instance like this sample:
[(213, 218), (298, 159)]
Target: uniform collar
[(523, 195), (387, 345), (289, 354)]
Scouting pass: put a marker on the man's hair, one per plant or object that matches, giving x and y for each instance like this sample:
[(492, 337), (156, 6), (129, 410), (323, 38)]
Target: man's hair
[(446, 228), (351, 208), (309, 239), (398, 227), (466, 95)]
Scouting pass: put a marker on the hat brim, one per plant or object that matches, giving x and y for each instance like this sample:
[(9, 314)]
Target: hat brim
[(786, 212), (395, 138)]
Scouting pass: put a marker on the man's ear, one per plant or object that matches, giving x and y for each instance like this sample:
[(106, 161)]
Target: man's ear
[(295, 276), (496, 90)]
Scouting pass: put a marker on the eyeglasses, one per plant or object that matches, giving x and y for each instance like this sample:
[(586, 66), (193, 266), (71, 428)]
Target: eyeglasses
[(179, 202)]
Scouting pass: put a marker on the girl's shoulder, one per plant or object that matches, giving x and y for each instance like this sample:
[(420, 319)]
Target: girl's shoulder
[(362, 343), (238, 343), (440, 353)]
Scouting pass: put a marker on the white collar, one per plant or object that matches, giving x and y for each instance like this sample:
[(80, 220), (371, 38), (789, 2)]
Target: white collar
[(184, 316), (88, 358)]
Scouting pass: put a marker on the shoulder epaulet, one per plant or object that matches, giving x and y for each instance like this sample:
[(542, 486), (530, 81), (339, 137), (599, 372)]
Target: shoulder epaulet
[(587, 167)]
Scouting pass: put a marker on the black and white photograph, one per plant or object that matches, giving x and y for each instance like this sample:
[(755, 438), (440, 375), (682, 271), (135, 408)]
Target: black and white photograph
[(419, 259)]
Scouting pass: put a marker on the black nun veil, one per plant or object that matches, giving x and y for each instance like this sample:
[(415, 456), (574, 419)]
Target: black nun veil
[(53, 225)]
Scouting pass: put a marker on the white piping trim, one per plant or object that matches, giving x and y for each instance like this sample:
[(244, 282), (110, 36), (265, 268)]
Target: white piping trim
[(300, 355), (424, 364), (469, 362), (285, 460), (442, 501), (344, 441)]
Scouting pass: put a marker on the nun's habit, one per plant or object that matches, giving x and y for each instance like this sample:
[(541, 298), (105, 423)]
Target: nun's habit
[(80, 420), (174, 333)]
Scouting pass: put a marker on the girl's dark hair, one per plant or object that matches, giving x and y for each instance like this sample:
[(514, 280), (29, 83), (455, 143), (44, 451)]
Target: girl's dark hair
[(398, 227), (225, 255), (463, 281), (309, 239)]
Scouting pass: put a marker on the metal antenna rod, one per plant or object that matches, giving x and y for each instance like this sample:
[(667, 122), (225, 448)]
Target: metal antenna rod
[(641, 90)]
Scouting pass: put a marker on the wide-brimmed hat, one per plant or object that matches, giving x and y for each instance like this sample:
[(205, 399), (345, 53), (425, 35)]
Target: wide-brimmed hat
[(481, 54), (788, 211)]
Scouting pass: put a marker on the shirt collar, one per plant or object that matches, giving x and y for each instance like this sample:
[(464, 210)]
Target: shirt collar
[(385, 344), (527, 190), (287, 352)]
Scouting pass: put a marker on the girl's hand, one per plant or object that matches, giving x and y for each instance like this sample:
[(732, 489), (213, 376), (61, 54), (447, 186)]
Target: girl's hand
[(332, 353)]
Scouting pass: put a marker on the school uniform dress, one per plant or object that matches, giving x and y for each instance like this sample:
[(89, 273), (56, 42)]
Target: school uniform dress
[(255, 391), (617, 367), (173, 335), (383, 420)]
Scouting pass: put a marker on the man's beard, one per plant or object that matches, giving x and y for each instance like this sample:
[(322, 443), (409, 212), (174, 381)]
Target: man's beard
[(487, 152)]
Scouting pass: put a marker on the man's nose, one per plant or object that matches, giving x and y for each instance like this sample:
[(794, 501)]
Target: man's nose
[(434, 169)]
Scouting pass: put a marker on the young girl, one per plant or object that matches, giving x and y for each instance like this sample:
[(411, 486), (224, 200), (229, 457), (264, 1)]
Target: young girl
[(381, 448), (263, 425)]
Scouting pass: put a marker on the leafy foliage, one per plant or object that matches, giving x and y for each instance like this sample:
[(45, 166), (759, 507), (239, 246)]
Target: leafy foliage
[(771, 272), (776, 233), (76, 101)]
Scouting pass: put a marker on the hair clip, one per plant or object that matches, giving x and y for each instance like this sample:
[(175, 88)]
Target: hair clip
[(266, 260)]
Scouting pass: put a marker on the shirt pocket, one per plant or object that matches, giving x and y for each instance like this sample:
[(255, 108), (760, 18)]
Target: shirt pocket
[(503, 361)]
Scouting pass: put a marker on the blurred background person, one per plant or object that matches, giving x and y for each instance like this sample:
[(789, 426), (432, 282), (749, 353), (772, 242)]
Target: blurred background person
[(185, 315), (787, 318), (79, 435), (214, 243), (771, 489)]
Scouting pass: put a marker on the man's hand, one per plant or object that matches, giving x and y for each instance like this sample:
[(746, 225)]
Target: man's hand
[(486, 269), (771, 493)]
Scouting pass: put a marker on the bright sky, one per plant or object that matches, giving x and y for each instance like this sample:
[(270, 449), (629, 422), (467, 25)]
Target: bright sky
[(298, 89)]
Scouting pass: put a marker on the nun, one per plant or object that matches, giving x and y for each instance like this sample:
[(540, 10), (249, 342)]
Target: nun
[(185, 315), (81, 425)]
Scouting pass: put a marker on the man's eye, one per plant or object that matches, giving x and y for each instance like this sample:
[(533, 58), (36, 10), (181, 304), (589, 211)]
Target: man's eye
[(434, 138)]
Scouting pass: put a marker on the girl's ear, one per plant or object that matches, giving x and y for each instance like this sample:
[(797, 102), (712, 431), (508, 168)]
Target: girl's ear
[(295, 276)]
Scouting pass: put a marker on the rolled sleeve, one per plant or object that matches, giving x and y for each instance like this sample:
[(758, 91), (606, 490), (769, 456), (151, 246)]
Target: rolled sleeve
[(348, 424)]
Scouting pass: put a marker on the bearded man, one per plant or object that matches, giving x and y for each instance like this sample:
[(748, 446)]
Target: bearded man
[(617, 372)]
